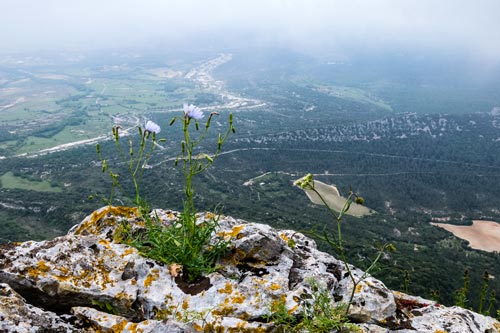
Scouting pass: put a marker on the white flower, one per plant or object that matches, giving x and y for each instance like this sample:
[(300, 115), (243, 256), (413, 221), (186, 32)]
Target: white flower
[(193, 112), (152, 127)]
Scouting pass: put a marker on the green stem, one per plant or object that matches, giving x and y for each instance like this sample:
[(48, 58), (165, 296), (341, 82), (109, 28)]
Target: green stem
[(340, 245)]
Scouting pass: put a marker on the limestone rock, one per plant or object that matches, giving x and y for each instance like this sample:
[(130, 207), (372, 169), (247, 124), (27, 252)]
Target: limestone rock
[(87, 272), (18, 317), (108, 323)]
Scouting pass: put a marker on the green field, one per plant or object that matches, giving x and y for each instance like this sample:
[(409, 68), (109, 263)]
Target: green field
[(9, 181), (37, 113), (354, 94)]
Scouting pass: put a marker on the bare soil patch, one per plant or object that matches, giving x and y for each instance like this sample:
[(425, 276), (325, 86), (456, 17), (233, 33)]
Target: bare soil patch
[(481, 235)]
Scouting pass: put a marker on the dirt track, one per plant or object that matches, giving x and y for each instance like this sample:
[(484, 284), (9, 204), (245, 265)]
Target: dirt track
[(482, 235)]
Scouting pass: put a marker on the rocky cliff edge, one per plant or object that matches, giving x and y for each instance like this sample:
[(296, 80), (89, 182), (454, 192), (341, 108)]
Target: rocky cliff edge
[(87, 282)]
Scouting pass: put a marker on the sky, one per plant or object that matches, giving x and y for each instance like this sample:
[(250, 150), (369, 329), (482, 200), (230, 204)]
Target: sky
[(471, 26)]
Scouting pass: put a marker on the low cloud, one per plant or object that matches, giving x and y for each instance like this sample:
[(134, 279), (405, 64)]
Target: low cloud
[(471, 26)]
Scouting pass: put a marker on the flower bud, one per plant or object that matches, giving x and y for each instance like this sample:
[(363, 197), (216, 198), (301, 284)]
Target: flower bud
[(390, 247), (98, 148), (131, 150), (305, 182), (207, 125), (219, 142), (172, 121)]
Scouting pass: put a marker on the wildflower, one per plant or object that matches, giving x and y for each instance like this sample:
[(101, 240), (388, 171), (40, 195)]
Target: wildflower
[(305, 182), (152, 127), (192, 112)]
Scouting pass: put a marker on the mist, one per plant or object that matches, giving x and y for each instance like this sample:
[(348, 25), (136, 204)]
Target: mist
[(319, 27)]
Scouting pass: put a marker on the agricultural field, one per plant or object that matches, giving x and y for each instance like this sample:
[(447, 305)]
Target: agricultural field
[(40, 110), (10, 181)]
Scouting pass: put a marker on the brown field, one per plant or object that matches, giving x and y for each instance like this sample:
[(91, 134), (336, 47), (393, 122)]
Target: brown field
[(481, 235)]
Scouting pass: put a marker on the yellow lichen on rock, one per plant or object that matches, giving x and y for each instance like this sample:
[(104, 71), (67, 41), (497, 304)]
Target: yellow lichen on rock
[(105, 243), (119, 326), (275, 286), (153, 276), (284, 237), (292, 310), (228, 288), (234, 233), (239, 299), (93, 224)]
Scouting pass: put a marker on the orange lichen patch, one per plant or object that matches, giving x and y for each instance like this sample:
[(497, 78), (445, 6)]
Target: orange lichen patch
[(153, 276), (129, 251), (497, 326), (292, 310), (122, 295), (63, 270), (259, 281), (185, 304), (239, 299), (119, 326), (235, 231), (42, 266), (40, 270), (359, 288), (439, 331), (275, 286), (284, 237), (228, 288), (94, 223), (132, 328), (105, 243), (223, 311), (242, 327), (197, 327)]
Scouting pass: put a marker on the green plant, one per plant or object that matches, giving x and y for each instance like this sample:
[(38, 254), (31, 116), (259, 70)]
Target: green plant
[(486, 299), (188, 241), (460, 296), (406, 281), (319, 314), (135, 162), (105, 307), (322, 315), (281, 317), (336, 241)]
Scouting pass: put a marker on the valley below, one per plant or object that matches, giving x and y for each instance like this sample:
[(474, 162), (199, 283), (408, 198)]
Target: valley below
[(412, 156)]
